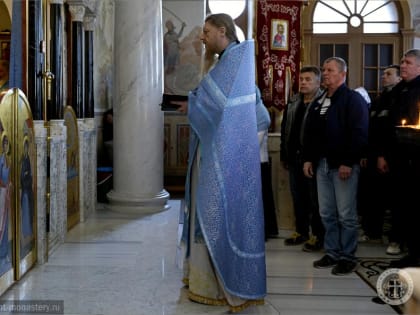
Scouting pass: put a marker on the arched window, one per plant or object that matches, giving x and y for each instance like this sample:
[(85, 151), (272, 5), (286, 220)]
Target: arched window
[(379, 16), (369, 35)]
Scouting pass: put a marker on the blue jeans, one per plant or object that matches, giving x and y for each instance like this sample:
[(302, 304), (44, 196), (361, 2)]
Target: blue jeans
[(338, 209)]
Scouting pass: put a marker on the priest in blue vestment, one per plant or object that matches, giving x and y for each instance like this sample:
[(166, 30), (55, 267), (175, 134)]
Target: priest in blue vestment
[(224, 219)]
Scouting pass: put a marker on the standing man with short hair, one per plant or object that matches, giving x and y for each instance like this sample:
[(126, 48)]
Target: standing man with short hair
[(334, 139), (303, 189), (378, 192), (406, 157)]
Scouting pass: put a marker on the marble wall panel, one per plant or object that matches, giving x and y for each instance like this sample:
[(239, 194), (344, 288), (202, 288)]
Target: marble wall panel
[(82, 167), (281, 188), (58, 185), (87, 156), (41, 199)]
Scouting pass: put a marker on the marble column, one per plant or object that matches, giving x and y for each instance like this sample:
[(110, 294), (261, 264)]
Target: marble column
[(35, 59), (77, 79), (138, 121), (55, 106), (89, 25)]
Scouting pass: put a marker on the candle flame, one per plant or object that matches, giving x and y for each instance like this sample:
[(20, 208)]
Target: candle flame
[(403, 122)]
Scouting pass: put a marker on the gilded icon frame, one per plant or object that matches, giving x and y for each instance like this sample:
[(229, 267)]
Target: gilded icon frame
[(279, 41)]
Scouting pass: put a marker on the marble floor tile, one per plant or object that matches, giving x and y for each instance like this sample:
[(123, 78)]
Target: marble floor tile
[(327, 305), (115, 264)]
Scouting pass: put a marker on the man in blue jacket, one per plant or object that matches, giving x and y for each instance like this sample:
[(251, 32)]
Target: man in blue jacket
[(334, 140)]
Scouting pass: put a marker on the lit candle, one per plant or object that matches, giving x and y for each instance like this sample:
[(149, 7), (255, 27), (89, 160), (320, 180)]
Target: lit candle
[(403, 122)]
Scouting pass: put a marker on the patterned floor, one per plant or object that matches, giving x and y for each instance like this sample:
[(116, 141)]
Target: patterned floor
[(115, 263)]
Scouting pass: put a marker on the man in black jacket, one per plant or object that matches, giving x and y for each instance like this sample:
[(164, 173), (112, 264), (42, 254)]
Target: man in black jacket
[(334, 139), (405, 157), (303, 189), (378, 177)]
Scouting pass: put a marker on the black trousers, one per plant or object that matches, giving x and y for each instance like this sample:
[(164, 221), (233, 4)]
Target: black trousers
[(305, 201), (374, 198), (270, 215), (406, 203)]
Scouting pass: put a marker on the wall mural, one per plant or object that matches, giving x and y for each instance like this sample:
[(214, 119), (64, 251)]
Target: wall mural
[(182, 23), (182, 48)]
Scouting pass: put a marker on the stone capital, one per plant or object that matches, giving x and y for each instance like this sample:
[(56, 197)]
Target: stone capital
[(90, 5), (89, 22), (77, 12)]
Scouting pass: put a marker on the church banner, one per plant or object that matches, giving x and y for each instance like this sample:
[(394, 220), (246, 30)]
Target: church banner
[(277, 34)]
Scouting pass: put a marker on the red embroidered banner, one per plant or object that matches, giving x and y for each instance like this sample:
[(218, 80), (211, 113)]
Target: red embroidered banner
[(277, 36)]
